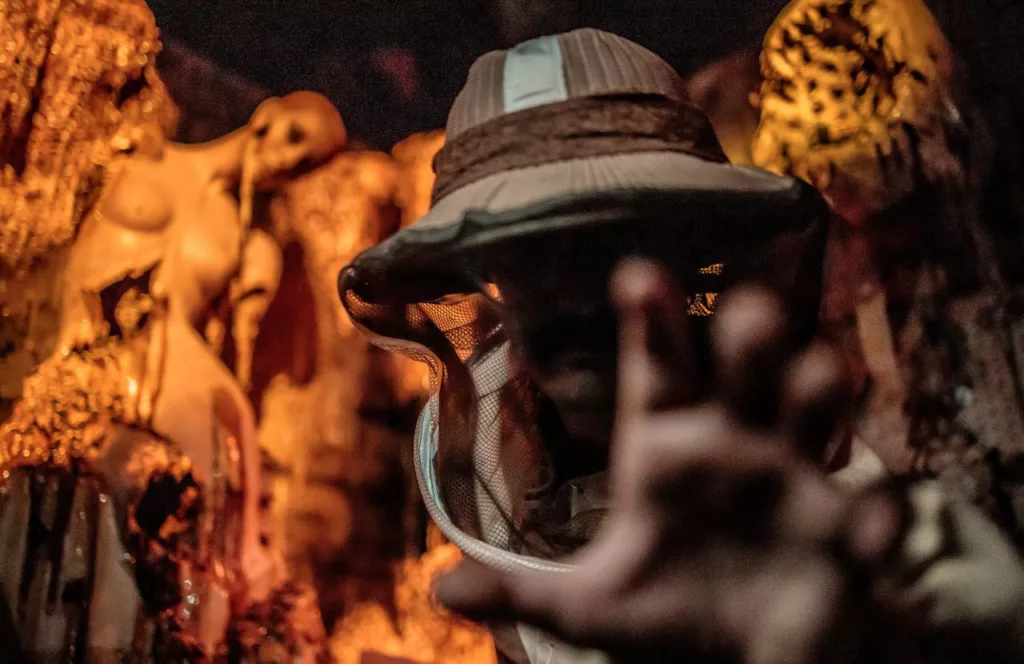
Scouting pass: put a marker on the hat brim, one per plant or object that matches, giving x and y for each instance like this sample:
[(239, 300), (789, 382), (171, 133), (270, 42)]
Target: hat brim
[(709, 211)]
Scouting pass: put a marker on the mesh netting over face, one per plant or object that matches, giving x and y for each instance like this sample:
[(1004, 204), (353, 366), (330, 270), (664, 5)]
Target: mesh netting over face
[(491, 461), (486, 440)]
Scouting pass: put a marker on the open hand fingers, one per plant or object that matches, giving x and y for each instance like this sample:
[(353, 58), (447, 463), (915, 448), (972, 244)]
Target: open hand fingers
[(749, 342), (816, 394), (703, 473), (593, 605), (656, 368), (561, 603)]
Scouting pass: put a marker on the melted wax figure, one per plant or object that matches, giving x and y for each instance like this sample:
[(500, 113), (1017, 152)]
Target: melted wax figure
[(132, 517), (169, 231), (716, 534), (864, 99)]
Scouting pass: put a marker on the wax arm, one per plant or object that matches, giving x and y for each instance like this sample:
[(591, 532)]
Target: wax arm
[(252, 292)]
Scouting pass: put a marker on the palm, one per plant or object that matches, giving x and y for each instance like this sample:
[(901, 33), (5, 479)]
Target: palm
[(721, 535)]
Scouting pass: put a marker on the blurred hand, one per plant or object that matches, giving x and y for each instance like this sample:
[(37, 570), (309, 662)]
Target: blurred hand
[(723, 535)]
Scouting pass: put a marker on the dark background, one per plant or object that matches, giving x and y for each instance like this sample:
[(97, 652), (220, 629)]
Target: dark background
[(393, 67)]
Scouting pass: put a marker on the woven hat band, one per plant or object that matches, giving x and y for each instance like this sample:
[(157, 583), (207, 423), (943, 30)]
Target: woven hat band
[(574, 129)]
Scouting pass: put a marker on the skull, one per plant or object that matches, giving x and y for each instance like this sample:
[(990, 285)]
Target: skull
[(856, 99), (292, 136)]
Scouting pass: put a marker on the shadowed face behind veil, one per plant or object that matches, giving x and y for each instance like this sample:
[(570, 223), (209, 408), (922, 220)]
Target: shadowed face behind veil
[(562, 325)]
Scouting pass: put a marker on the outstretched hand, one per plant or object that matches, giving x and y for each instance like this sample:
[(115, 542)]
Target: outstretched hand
[(724, 539)]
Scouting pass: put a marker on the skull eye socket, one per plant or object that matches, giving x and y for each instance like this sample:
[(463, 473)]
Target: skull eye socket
[(296, 135), (261, 132)]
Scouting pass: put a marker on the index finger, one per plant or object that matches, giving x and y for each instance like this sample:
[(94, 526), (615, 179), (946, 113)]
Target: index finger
[(749, 342), (656, 367)]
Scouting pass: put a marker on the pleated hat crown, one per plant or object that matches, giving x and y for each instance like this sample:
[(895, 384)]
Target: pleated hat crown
[(580, 64), (563, 121)]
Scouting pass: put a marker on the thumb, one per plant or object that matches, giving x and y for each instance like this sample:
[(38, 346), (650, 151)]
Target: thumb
[(799, 623), (483, 594)]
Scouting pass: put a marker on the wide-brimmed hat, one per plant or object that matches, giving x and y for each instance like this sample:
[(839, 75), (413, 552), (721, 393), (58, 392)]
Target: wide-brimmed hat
[(569, 151), (580, 128)]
